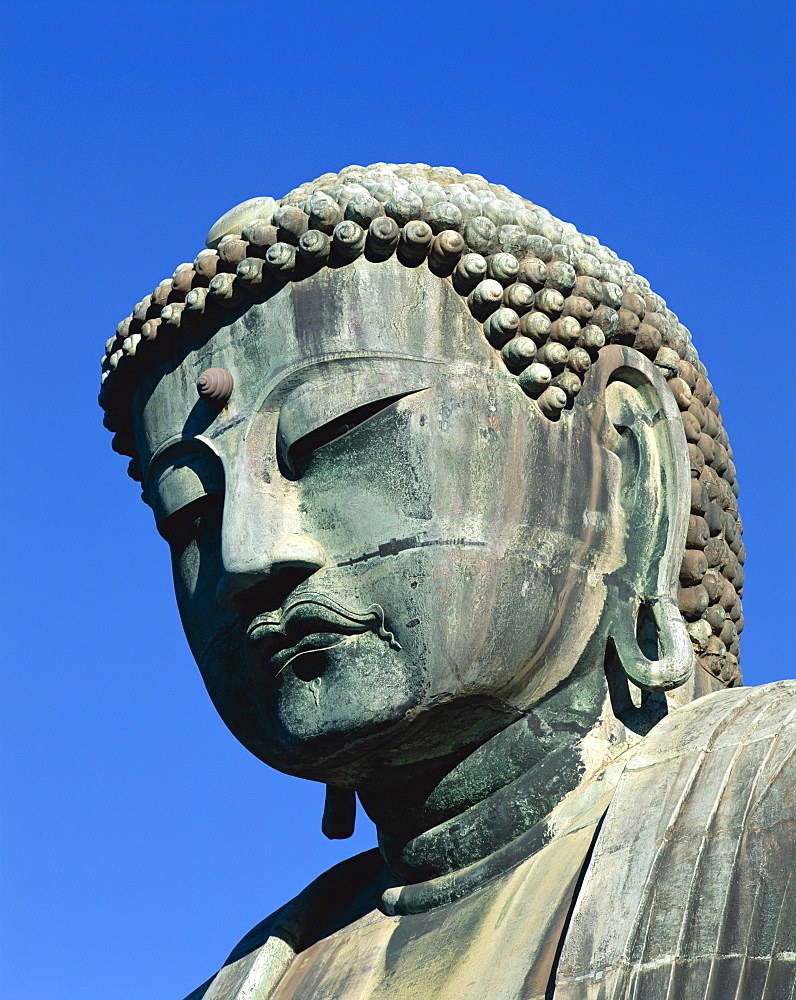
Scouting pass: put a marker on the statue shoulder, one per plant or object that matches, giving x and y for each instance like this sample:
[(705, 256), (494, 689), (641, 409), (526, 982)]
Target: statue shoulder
[(691, 886), (264, 954), (735, 716)]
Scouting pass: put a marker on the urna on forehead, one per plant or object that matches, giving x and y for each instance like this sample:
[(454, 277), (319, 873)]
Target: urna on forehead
[(535, 296)]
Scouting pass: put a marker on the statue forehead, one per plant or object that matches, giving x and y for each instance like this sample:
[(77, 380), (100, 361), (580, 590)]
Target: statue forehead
[(375, 317)]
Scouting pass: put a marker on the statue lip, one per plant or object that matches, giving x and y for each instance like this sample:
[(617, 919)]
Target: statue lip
[(304, 624)]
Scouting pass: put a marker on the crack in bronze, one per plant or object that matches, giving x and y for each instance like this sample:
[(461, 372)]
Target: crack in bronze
[(396, 545)]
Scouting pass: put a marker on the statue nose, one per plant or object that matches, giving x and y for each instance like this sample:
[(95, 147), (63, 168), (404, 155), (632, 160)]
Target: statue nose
[(300, 553)]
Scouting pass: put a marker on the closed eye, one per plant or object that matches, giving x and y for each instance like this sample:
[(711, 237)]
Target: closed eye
[(300, 452)]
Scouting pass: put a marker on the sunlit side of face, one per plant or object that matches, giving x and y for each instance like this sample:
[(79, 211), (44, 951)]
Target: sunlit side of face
[(375, 457)]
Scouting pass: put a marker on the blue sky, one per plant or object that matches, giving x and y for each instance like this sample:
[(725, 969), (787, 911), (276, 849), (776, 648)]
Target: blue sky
[(140, 840)]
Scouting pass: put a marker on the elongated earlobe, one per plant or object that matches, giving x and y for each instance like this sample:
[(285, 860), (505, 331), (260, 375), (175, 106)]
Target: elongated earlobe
[(652, 643), (644, 431), (339, 813)]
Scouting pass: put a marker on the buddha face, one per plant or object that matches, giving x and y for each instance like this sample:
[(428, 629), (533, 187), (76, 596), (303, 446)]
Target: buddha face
[(379, 544)]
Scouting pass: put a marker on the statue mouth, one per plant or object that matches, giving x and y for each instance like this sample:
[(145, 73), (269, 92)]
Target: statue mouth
[(310, 622)]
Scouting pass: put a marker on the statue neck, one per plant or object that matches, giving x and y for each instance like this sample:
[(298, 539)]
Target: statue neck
[(441, 822)]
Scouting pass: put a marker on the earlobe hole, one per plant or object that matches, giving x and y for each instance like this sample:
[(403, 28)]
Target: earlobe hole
[(647, 632)]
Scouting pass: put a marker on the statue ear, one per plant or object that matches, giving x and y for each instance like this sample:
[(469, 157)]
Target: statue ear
[(641, 425)]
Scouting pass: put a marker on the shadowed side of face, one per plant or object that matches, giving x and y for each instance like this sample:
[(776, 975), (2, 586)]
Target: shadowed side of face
[(379, 543)]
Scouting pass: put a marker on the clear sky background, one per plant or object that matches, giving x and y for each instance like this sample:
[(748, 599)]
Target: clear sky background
[(140, 840)]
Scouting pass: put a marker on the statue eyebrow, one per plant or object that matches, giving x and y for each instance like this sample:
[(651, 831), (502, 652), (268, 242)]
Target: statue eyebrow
[(289, 382), (299, 378), (286, 376), (175, 447)]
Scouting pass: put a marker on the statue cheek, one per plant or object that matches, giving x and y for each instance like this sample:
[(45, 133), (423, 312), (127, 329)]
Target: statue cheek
[(185, 568), (197, 570)]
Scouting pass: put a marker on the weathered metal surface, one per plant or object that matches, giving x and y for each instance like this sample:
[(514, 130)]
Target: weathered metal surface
[(690, 891), (561, 288), (445, 949), (466, 516), (686, 894)]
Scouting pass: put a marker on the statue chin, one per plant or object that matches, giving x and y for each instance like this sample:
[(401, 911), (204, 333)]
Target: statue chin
[(322, 714)]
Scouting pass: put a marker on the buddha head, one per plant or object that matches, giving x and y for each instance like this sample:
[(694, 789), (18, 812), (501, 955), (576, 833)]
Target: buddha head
[(422, 454)]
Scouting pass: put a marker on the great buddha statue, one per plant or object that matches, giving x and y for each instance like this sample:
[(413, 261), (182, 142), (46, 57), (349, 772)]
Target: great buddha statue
[(454, 530)]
